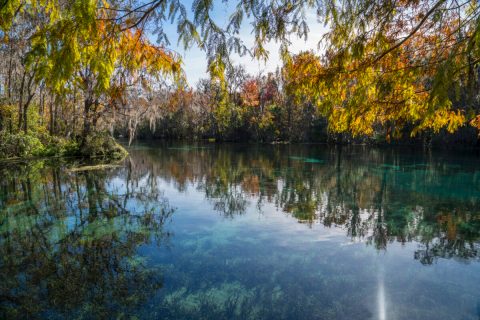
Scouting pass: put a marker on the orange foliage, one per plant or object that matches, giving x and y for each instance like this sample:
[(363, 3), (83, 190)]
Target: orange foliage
[(251, 93)]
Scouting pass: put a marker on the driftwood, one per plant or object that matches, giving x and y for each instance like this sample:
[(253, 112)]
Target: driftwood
[(95, 167)]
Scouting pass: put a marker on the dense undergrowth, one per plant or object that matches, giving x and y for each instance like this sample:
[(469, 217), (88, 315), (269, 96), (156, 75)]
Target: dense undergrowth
[(43, 140), (35, 145)]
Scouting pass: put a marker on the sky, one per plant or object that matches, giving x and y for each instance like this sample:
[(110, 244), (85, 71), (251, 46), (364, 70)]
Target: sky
[(195, 62)]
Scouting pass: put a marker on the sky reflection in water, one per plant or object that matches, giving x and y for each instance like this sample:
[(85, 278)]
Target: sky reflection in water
[(244, 232)]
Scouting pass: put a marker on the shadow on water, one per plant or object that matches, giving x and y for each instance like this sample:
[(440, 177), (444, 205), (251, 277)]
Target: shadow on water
[(96, 244)]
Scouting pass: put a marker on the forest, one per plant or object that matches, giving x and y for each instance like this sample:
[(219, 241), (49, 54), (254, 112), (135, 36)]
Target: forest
[(77, 74)]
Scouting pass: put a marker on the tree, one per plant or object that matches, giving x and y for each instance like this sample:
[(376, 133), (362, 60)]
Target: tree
[(397, 63), (387, 68), (105, 60), (251, 93), (71, 47)]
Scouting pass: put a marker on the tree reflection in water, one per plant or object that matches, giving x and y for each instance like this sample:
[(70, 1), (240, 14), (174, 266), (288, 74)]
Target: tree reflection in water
[(71, 242), (376, 196), (68, 243)]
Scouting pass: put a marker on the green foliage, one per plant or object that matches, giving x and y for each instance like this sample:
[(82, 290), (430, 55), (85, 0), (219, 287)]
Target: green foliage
[(389, 69), (58, 146), (101, 145), (8, 117), (20, 145)]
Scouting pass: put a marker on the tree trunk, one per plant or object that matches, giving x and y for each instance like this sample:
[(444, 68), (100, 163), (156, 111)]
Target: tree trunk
[(20, 102), (9, 78), (55, 118), (25, 118), (87, 125), (25, 113), (50, 109)]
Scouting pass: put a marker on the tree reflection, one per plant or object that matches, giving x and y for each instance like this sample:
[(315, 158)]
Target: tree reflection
[(376, 196), (69, 241)]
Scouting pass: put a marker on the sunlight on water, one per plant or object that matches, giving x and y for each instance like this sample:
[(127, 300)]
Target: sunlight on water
[(236, 232), (382, 312)]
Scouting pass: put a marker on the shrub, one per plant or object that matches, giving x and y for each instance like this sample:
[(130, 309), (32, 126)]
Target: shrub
[(58, 146), (20, 145), (101, 145)]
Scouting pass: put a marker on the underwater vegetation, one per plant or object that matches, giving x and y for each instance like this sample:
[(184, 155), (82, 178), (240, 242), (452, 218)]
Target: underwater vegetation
[(230, 232)]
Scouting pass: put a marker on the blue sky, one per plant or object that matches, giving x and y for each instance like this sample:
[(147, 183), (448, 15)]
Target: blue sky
[(194, 59)]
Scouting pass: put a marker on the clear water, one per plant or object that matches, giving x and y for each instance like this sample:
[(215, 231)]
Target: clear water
[(243, 232)]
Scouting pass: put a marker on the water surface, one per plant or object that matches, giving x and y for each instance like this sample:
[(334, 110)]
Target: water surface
[(243, 232)]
